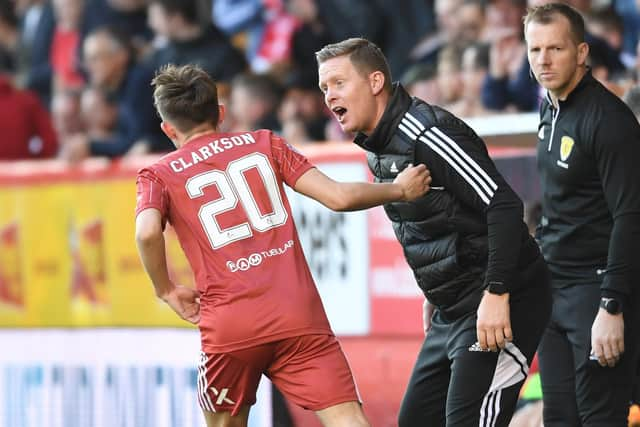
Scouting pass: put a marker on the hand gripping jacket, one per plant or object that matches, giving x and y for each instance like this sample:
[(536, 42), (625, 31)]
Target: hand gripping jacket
[(444, 241)]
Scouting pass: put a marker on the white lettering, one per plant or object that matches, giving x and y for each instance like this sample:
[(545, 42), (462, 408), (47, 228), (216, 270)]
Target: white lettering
[(214, 146), (248, 138), (185, 164), (195, 158), (175, 167), (206, 153)]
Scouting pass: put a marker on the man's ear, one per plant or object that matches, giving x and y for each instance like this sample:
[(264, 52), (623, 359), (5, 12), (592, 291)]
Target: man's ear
[(376, 81), (169, 130), (583, 53), (221, 113)]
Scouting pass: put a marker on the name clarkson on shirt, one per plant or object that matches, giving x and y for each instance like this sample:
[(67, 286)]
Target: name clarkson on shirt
[(216, 146)]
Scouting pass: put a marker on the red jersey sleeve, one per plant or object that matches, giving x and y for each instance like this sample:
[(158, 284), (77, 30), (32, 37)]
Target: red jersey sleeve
[(291, 163), (151, 193)]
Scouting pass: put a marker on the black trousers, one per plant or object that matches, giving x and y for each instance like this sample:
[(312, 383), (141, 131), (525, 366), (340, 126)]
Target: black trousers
[(453, 384), (577, 391)]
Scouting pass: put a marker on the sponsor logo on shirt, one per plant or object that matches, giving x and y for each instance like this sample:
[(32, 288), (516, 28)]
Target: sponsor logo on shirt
[(393, 168), (566, 145), (255, 259)]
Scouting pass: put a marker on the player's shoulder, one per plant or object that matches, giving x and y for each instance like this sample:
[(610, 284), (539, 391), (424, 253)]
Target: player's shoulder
[(156, 165)]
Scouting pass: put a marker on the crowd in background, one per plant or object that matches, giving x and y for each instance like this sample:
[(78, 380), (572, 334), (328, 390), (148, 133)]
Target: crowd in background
[(75, 74)]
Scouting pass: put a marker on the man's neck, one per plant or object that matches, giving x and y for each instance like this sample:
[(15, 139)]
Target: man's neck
[(196, 133), (382, 102), (564, 93)]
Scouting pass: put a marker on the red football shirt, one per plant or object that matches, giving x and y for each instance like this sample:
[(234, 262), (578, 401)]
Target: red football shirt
[(224, 195)]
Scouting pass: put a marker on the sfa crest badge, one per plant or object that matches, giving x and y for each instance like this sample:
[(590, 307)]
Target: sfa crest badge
[(566, 145)]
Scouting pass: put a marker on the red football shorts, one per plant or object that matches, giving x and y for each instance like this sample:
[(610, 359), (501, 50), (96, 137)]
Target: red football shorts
[(309, 370)]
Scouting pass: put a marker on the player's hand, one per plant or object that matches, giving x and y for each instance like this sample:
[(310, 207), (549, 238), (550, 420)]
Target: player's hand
[(427, 312), (494, 322), (414, 181), (607, 338), (184, 301)]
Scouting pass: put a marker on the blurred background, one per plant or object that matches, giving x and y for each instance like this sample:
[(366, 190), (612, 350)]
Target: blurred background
[(83, 340)]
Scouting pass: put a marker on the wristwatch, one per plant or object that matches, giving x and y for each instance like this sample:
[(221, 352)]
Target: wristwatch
[(497, 288), (612, 305)]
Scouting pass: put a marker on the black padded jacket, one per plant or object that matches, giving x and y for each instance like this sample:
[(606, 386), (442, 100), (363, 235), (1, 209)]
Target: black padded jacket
[(468, 230)]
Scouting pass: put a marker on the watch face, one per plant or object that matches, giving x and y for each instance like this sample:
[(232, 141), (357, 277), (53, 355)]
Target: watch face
[(613, 306)]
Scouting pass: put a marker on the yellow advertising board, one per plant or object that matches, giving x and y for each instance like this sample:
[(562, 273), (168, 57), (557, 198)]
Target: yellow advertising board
[(68, 255)]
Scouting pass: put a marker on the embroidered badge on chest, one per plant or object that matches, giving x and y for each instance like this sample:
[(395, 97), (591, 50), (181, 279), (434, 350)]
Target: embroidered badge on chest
[(566, 145)]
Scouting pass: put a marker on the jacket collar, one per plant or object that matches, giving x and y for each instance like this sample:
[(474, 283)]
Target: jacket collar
[(398, 104)]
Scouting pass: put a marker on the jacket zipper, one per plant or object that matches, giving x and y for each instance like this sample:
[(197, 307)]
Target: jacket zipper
[(554, 116)]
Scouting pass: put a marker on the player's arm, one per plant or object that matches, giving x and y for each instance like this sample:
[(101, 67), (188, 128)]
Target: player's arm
[(150, 240), (410, 184), (151, 210)]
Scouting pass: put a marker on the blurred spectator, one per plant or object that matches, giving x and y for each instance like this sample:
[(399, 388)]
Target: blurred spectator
[(449, 31), (599, 60), (242, 16), (629, 11), (401, 25), (509, 84), (302, 112), (109, 60), (37, 25), (328, 21), (606, 25), (128, 16), (65, 45), (99, 112), (471, 15), (632, 99), (9, 36), (188, 42), (421, 81), (274, 49), (254, 102), (450, 74), (505, 15), (65, 113), (475, 65), (27, 132)]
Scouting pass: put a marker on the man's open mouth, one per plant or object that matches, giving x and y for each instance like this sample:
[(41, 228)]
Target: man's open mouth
[(339, 112)]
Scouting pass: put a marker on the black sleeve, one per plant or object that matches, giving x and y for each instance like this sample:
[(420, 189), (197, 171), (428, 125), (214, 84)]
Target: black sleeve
[(458, 161), (617, 152)]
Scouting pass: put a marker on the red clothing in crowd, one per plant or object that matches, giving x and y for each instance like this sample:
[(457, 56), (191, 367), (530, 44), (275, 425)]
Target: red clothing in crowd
[(63, 58), (224, 196), (27, 132)]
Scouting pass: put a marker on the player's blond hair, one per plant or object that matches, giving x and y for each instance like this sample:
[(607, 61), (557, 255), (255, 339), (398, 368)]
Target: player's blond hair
[(365, 56)]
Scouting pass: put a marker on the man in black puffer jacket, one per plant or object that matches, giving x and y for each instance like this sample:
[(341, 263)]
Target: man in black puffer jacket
[(465, 240)]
